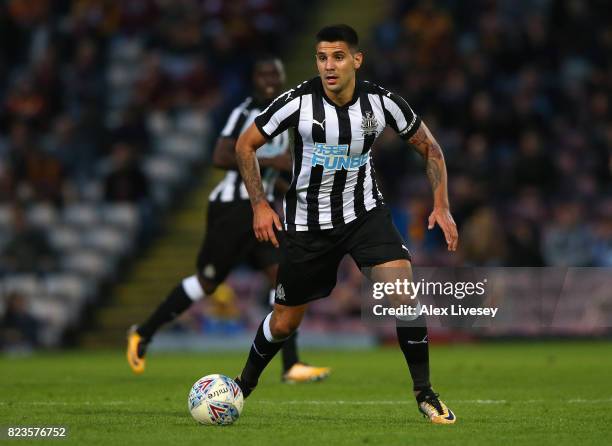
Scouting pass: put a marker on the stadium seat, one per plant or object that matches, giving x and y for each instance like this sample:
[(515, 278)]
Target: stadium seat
[(163, 169), (161, 194), (181, 146), (27, 284), (158, 124), (108, 240), (124, 49), (56, 317), (123, 216), (92, 190), (42, 215), (67, 285), (194, 123), (65, 238), (89, 263), (6, 217), (119, 75), (81, 215)]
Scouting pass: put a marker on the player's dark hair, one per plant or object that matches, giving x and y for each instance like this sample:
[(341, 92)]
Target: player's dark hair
[(339, 33)]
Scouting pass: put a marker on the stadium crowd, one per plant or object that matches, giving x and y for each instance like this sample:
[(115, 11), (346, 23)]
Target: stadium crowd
[(105, 107), (518, 94)]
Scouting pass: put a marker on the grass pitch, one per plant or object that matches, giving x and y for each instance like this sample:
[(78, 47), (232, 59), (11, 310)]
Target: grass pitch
[(528, 393)]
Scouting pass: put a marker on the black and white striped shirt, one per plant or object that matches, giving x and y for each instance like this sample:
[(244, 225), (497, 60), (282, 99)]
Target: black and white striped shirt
[(232, 188), (333, 175)]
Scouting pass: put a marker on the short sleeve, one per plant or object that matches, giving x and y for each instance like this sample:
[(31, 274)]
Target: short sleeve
[(399, 115), (281, 114)]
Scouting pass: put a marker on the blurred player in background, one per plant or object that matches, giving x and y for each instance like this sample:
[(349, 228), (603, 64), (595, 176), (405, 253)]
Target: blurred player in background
[(333, 206), (229, 238)]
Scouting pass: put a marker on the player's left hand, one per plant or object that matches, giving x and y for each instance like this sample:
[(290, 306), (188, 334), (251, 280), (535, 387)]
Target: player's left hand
[(443, 217)]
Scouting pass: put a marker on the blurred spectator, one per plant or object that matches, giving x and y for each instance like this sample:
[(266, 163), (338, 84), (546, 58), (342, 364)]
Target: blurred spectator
[(533, 167), (41, 176), (154, 84), (62, 144), (126, 182), (46, 75), (603, 241), (480, 240), (85, 78), (523, 244), (568, 241), (6, 182), (98, 17), (19, 330), (28, 249), (132, 129), (27, 102)]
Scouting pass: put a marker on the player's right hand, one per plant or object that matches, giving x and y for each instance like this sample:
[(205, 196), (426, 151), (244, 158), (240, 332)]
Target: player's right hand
[(265, 220)]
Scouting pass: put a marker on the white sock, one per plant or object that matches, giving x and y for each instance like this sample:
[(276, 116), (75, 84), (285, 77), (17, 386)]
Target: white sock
[(192, 288), (267, 332)]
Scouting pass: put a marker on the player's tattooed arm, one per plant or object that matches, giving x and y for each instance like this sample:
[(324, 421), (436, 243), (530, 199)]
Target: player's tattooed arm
[(264, 217), (247, 162), (427, 146)]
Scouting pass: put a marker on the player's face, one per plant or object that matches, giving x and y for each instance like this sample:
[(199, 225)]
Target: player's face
[(268, 79), (337, 65)]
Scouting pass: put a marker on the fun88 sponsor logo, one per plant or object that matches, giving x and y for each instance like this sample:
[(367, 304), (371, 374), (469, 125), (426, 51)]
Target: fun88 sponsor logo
[(334, 157)]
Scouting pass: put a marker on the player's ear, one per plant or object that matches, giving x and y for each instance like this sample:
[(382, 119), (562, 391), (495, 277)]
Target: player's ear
[(357, 59)]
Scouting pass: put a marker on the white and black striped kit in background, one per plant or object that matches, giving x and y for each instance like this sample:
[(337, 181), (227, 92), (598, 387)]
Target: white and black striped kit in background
[(333, 175), (232, 188)]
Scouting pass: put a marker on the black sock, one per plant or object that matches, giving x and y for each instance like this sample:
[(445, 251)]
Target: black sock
[(262, 352), (176, 302), (290, 354), (413, 340)]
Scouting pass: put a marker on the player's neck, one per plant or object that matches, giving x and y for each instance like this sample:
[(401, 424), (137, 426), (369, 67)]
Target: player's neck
[(342, 97)]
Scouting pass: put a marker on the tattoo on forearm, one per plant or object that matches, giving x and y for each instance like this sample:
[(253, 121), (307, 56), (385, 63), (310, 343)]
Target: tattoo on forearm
[(433, 173), (424, 143), (249, 169)]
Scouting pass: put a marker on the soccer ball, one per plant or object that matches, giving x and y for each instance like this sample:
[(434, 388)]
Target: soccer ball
[(215, 399)]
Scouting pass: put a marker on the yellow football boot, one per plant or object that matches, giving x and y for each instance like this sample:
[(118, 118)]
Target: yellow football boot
[(435, 410), (301, 373), (136, 349)]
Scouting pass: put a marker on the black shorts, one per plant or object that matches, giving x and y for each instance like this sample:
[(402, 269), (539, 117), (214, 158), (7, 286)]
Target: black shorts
[(309, 260), (230, 241)]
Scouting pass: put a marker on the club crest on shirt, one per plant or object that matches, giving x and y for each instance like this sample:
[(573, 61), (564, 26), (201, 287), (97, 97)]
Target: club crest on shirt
[(369, 124), (280, 292)]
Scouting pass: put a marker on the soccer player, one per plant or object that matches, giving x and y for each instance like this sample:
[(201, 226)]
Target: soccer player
[(333, 206), (229, 239)]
